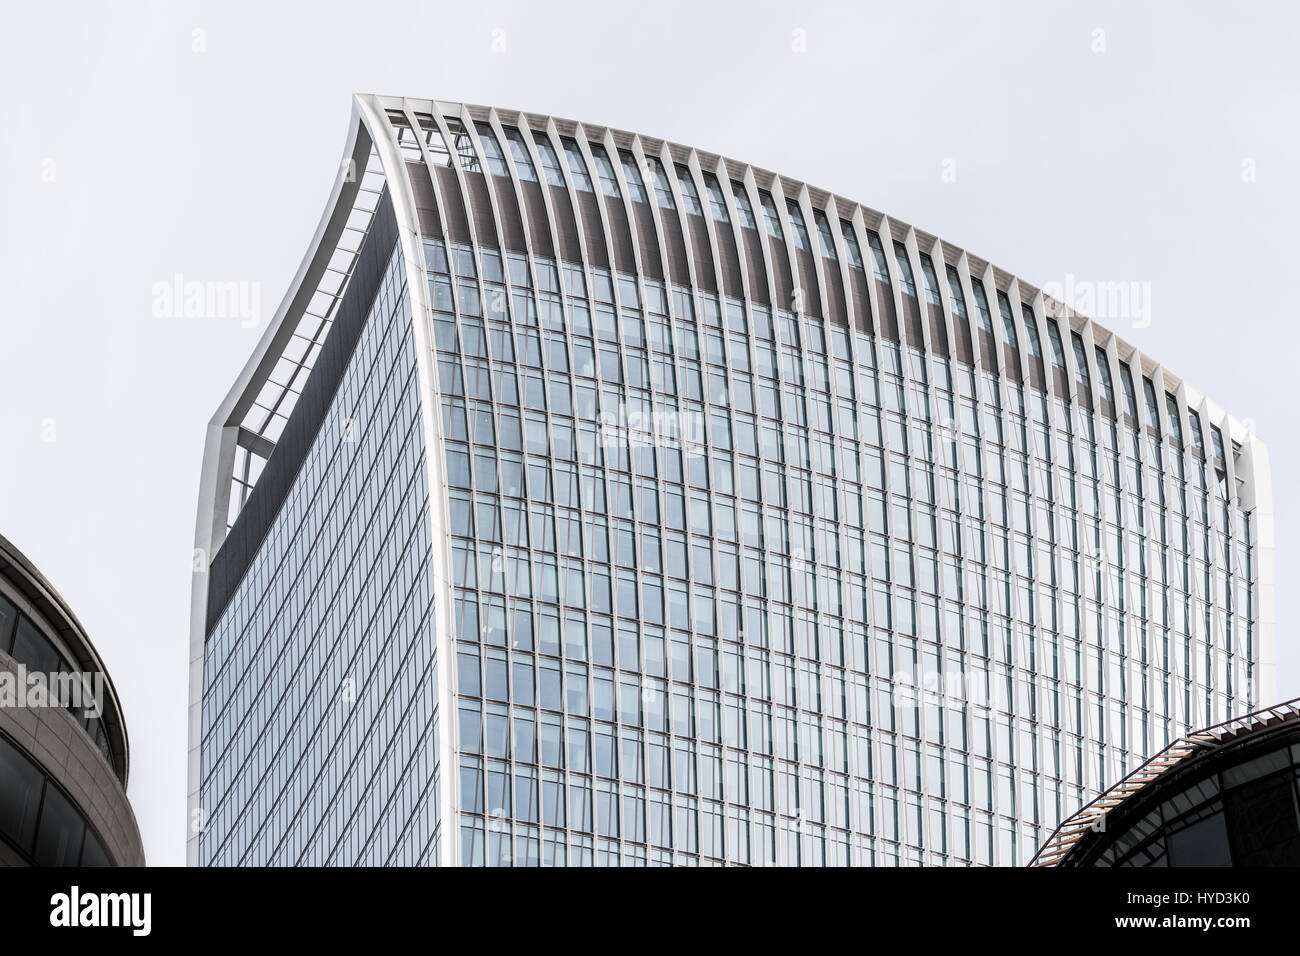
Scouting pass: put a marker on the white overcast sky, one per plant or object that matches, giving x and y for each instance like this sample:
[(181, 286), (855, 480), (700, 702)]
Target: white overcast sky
[(1122, 165)]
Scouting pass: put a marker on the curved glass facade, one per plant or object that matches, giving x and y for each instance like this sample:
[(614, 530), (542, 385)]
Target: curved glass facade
[(39, 822), (704, 551), (63, 745), (1243, 810), (777, 533), (24, 641), (320, 742)]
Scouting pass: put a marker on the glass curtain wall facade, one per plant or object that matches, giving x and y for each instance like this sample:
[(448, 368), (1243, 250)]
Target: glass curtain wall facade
[(321, 744), (779, 533)]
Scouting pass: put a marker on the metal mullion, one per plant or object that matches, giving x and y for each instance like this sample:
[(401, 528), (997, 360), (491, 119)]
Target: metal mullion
[(584, 148), (450, 814), (509, 599), (1089, 551), (904, 375), (1044, 458), (1017, 319), (727, 802), (668, 164), (454, 282), (835, 477), (871, 362), (553, 133), (779, 199), (1054, 469), (1138, 614), (1069, 470), (611, 151), (950, 319), (467, 122), (928, 356), (857, 777), (1181, 524), (693, 166), (1119, 493), (808, 213), (640, 157), (967, 279), (748, 183), (533, 291), (1213, 535), (1081, 566), (526, 137)]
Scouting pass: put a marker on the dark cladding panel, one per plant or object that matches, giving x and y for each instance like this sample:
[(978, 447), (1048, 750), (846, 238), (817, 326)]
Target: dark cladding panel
[(593, 230), (566, 225), (678, 269), (861, 300), (512, 223), (839, 313), (784, 279), (1084, 394), (888, 312), (988, 351), (624, 255), (938, 330), (732, 281), (647, 241), (913, 322), (426, 203), (754, 263), (232, 559), (1059, 382), (1037, 374), (705, 275), (809, 282), (965, 344), (539, 224), (454, 218), (1011, 359), (1083, 375), (485, 226)]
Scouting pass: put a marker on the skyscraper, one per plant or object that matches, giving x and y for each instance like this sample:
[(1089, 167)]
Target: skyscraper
[(593, 499), (63, 744)]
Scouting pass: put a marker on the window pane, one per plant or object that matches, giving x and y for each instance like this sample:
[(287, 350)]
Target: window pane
[(59, 841), (20, 795)]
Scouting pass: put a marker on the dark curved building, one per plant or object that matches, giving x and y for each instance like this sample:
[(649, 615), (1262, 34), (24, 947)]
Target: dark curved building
[(1228, 795), (63, 745), (592, 498)]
